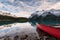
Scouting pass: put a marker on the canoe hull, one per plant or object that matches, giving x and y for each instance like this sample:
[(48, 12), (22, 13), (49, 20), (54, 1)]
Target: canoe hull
[(51, 31)]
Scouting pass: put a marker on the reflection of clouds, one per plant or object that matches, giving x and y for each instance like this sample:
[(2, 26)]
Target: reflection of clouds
[(20, 25), (9, 25), (23, 25), (16, 28)]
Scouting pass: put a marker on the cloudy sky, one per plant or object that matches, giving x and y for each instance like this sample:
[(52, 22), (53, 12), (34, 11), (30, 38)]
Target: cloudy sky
[(28, 6)]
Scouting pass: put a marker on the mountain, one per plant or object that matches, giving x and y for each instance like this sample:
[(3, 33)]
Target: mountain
[(48, 14), (51, 17), (48, 17), (55, 12)]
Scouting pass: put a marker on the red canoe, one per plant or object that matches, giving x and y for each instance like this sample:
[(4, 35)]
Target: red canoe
[(52, 31)]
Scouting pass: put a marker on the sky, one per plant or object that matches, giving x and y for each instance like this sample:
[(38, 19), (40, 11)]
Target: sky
[(28, 6)]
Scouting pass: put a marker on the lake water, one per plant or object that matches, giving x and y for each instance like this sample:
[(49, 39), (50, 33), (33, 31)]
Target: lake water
[(22, 30), (14, 29)]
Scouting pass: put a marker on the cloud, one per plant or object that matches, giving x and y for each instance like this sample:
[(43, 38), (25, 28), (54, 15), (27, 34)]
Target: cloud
[(16, 6), (22, 14), (1, 5), (56, 6), (53, 1), (11, 1), (20, 5), (49, 4)]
